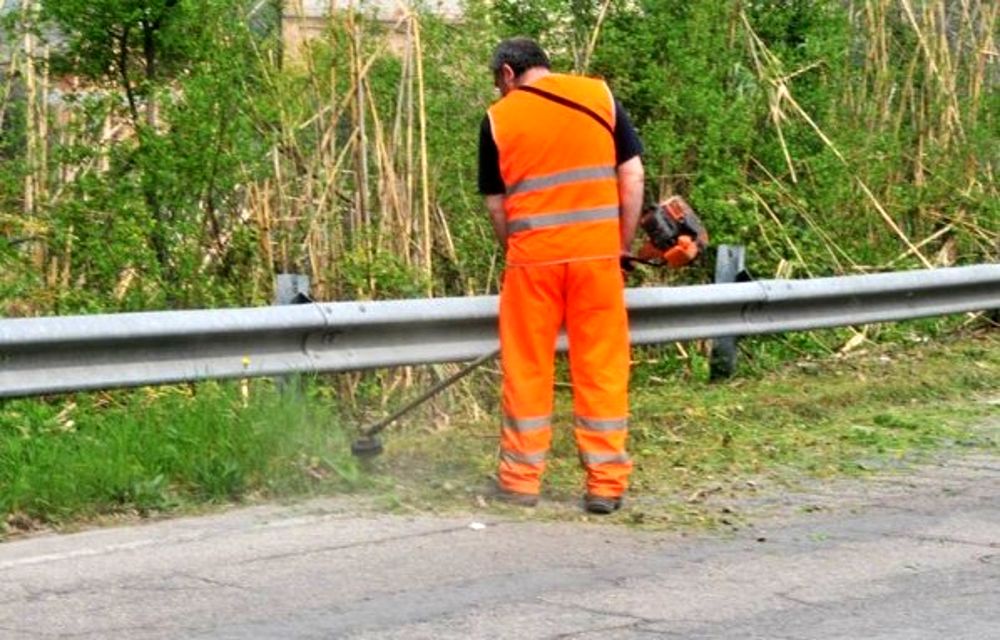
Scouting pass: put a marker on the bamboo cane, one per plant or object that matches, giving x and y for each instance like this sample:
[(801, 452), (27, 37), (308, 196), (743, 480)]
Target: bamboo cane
[(387, 177), (784, 232), (360, 115), (592, 42), (42, 113), (31, 90), (829, 244), (934, 67), (411, 189), (425, 205)]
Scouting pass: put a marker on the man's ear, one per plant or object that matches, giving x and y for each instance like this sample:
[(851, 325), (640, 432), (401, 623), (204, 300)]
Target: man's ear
[(508, 74)]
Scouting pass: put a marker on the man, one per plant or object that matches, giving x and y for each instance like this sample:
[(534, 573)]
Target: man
[(560, 168)]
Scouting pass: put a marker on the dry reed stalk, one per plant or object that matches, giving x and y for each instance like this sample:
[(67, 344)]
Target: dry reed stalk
[(387, 182), (36, 131), (107, 134), (592, 42), (425, 204), (389, 386), (337, 108), (831, 246), (400, 145), (765, 236), (66, 121), (982, 49), (449, 242), (42, 113), (934, 65), (776, 114), (363, 220), (784, 232), (293, 196), (31, 90), (321, 256), (397, 122), (908, 96), (66, 273), (51, 272), (264, 225), (411, 181), (282, 254), (931, 238), (492, 273), (879, 51), (125, 280), (323, 227), (321, 240), (332, 170), (991, 239)]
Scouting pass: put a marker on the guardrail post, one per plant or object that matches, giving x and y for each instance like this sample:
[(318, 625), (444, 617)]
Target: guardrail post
[(290, 288), (730, 266)]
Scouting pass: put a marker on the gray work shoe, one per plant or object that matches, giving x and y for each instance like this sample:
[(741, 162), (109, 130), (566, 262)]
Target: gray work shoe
[(601, 505), (515, 498)]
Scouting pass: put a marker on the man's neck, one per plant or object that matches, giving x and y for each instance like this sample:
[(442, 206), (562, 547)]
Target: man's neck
[(532, 75)]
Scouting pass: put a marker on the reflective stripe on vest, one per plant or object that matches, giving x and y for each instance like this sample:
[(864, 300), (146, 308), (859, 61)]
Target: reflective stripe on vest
[(561, 218), (563, 177)]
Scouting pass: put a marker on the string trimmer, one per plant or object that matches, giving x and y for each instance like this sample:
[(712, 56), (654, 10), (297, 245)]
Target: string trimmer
[(369, 445)]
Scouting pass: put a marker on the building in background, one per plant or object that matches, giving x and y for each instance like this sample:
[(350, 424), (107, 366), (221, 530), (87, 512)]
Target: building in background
[(305, 20), (13, 42), (8, 41)]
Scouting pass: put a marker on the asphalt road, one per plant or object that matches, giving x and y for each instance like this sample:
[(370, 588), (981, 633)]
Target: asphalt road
[(898, 557)]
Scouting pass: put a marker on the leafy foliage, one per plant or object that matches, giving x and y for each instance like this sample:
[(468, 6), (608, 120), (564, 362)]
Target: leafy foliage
[(185, 157)]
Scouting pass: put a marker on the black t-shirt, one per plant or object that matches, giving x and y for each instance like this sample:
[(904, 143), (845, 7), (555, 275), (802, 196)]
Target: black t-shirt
[(627, 146)]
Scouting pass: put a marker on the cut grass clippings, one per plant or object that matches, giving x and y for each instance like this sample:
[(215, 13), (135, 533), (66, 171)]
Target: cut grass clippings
[(99, 456), (693, 441)]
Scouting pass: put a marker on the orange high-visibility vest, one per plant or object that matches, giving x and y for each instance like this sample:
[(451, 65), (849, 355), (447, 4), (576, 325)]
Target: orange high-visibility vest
[(558, 165)]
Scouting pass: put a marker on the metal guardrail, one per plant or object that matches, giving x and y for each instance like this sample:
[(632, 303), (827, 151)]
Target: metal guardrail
[(58, 354)]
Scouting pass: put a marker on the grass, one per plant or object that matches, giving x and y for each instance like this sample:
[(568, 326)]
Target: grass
[(145, 452), (161, 450)]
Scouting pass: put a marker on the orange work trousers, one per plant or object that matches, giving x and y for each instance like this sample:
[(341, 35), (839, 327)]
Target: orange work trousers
[(587, 297)]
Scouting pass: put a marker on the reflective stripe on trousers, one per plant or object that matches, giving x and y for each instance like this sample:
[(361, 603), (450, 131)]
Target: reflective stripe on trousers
[(523, 445), (535, 301)]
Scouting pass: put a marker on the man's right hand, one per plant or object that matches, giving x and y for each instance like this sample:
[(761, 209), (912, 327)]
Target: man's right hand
[(627, 262)]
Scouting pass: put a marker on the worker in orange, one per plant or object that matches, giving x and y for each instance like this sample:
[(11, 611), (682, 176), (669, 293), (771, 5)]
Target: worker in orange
[(562, 176)]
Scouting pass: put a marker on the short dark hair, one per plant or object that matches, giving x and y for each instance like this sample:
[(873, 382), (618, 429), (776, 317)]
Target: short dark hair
[(520, 54)]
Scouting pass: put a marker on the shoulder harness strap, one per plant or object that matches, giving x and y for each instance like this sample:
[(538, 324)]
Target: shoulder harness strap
[(566, 102)]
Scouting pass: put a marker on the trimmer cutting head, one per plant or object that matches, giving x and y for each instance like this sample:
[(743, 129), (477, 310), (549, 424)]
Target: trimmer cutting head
[(367, 447)]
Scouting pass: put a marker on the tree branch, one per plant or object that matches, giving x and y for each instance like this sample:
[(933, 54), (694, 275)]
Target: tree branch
[(123, 71)]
